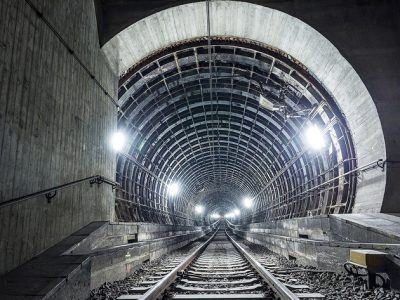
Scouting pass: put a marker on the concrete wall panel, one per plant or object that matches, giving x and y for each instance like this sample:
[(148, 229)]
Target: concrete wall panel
[(329, 239), (54, 124)]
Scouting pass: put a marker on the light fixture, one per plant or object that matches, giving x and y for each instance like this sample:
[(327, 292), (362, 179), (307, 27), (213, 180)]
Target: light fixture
[(199, 209), (264, 102), (232, 214), (315, 138), (173, 189), (117, 141), (248, 202), (215, 216)]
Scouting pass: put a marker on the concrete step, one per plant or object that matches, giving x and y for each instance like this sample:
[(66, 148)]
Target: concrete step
[(51, 274)]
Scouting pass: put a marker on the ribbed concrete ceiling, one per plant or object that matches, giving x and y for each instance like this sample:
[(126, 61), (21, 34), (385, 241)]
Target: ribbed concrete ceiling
[(202, 125)]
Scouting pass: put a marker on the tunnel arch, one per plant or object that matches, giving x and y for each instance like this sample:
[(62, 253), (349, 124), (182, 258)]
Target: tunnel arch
[(261, 30)]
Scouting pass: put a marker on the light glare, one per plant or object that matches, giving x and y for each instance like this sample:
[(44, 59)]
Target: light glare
[(173, 189), (315, 138), (199, 209), (117, 141), (215, 216), (247, 202), (232, 214)]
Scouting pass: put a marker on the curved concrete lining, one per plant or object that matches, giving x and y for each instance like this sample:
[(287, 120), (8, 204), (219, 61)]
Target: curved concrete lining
[(283, 32)]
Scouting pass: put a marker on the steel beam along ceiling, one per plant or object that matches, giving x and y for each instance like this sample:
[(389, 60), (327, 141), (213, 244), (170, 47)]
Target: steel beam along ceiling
[(228, 147)]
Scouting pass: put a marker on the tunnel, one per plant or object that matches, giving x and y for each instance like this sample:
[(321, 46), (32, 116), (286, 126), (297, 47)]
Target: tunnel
[(212, 136), (132, 131)]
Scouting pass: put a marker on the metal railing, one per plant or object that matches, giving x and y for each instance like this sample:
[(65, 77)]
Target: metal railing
[(52, 192), (249, 216)]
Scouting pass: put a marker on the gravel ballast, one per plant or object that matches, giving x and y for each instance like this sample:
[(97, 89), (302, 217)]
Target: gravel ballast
[(332, 285), (112, 290)]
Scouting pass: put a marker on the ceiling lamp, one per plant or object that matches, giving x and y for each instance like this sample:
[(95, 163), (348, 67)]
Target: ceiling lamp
[(315, 138), (173, 189), (248, 202), (117, 141), (199, 209)]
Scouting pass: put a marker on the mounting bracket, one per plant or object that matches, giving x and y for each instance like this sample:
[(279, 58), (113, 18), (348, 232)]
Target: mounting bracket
[(50, 195)]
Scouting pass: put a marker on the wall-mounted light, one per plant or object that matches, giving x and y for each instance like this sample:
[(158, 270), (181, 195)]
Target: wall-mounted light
[(117, 141), (248, 202), (199, 209), (315, 138), (236, 212), (173, 189)]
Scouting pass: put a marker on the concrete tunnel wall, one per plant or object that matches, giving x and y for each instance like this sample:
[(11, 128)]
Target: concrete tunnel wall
[(55, 123), (285, 33)]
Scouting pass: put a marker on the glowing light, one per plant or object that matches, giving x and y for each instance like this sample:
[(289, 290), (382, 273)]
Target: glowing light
[(264, 102), (232, 214), (215, 216), (229, 215), (315, 138), (248, 202), (173, 189), (199, 209), (117, 141)]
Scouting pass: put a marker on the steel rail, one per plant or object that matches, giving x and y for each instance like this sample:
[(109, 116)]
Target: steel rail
[(51, 192), (170, 278), (283, 292)]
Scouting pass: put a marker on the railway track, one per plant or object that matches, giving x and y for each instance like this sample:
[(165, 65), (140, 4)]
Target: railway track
[(219, 269)]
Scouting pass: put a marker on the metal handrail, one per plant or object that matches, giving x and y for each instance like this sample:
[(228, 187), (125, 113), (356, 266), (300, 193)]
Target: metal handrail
[(376, 163), (52, 192), (380, 163)]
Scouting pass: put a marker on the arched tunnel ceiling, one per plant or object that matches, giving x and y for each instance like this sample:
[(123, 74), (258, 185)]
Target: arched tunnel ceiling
[(179, 131), (224, 147)]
